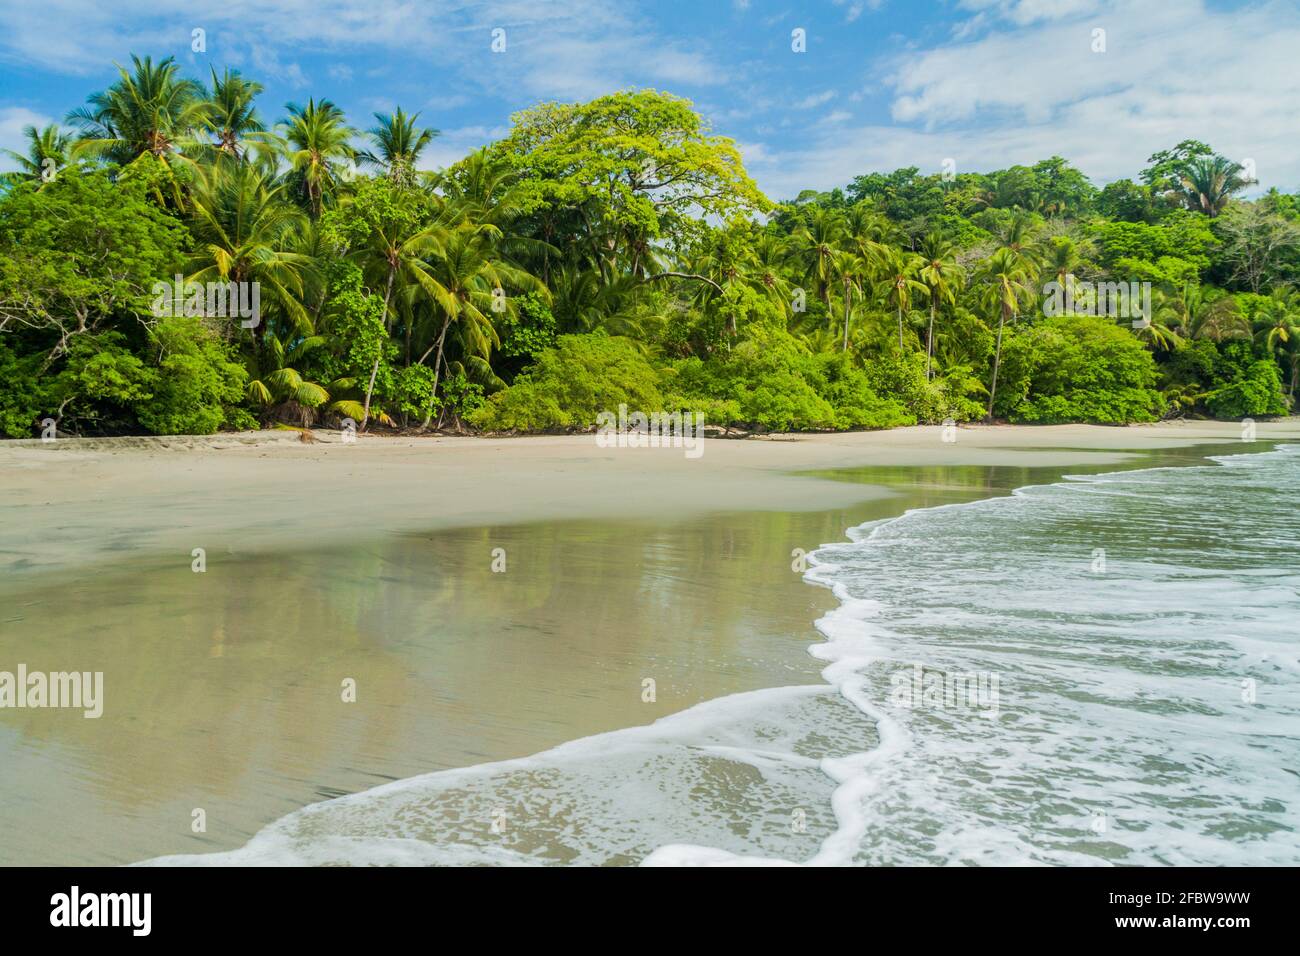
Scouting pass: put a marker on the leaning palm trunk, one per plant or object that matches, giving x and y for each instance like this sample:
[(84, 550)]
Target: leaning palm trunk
[(374, 369), (997, 359), (848, 305), (900, 328), (437, 367), (929, 342)]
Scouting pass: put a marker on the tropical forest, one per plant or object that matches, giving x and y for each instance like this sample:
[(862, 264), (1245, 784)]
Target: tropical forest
[(605, 253)]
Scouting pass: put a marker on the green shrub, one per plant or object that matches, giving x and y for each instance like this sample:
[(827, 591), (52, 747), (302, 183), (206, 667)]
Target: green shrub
[(902, 376), (771, 381), (581, 376), (21, 395), (1258, 392), (1088, 370), (195, 382)]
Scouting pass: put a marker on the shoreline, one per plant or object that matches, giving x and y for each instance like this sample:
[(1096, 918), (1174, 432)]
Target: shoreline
[(455, 673), (266, 491), (274, 844)]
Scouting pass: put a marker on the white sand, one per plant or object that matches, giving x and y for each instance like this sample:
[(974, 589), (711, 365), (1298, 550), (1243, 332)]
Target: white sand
[(72, 501)]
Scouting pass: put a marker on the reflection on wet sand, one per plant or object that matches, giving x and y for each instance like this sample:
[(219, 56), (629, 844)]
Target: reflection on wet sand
[(224, 689)]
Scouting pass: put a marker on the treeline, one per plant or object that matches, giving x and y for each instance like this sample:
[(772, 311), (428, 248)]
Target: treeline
[(604, 253)]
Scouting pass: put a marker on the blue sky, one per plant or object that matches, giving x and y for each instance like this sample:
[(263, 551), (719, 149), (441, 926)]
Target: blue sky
[(882, 84)]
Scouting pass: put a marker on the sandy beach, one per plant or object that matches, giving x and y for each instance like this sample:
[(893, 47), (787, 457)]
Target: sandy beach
[(374, 562), (71, 502)]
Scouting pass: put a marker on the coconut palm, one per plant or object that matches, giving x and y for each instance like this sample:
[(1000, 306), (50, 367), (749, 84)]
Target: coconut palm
[(1018, 234), (899, 271), (1277, 320), (486, 190), (398, 144), (148, 116), (740, 256), (867, 232), (1198, 312), (1207, 183), (1062, 259), (245, 230), (48, 152), (231, 118), (276, 384), (1291, 358), (1007, 277), (813, 245), (942, 276), (1158, 333), (395, 256), (475, 279), (319, 152), (854, 271)]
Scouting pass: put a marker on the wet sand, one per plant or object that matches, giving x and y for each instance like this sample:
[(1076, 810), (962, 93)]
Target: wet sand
[(374, 562)]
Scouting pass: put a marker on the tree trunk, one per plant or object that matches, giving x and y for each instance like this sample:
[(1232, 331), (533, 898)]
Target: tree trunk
[(437, 367), (900, 327), (929, 342), (997, 359), (374, 370), (442, 412), (848, 300)]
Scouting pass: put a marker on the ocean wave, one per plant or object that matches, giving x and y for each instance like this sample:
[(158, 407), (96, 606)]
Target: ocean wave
[(1136, 630)]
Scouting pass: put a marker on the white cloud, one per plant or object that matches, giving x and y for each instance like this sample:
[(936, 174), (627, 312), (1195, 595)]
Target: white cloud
[(816, 99), (453, 145), (1024, 12), (579, 49), (1171, 71), (13, 119), (853, 8)]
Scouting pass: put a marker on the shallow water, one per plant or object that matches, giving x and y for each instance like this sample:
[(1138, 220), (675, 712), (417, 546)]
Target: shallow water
[(1131, 640), (224, 688)]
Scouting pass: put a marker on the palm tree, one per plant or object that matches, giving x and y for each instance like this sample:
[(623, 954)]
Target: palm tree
[(1291, 352), (474, 278), (244, 231), (1007, 274), (1018, 235), (867, 232), (1277, 320), (47, 152), (851, 269), (1158, 333), (282, 390), (941, 274), (231, 118), (1202, 313), (899, 271), (814, 244), (148, 115), (395, 257), (399, 143), (582, 302), (487, 190), (770, 256), (1207, 183), (735, 257), (318, 149), (1063, 257)]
